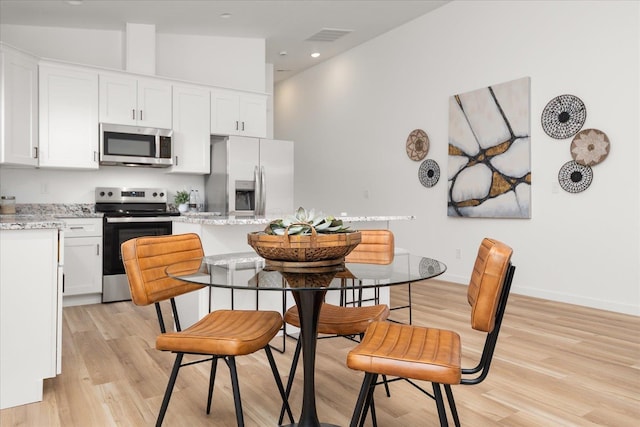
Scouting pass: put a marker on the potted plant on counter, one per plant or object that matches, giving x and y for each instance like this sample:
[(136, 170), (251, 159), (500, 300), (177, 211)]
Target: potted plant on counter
[(181, 199)]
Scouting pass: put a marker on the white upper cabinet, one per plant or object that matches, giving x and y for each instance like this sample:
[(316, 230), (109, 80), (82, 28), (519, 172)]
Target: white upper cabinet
[(19, 102), (238, 113), (136, 101), (191, 137), (68, 117)]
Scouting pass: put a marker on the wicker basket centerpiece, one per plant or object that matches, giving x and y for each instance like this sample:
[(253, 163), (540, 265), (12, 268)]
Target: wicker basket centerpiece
[(305, 239)]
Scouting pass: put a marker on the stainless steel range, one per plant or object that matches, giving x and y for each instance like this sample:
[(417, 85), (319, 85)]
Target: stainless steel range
[(128, 213)]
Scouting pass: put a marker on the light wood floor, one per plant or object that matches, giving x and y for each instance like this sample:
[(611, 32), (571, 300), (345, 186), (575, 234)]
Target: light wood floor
[(555, 365)]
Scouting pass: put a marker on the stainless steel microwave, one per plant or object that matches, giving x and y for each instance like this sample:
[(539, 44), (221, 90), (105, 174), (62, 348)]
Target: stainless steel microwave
[(135, 146)]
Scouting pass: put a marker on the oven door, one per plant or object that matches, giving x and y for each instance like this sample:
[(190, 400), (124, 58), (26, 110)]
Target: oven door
[(117, 230)]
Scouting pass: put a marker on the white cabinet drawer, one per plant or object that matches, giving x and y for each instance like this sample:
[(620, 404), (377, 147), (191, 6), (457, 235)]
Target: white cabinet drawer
[(82, 227)]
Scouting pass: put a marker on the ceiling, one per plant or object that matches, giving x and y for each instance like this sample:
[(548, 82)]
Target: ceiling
[(286, 26)]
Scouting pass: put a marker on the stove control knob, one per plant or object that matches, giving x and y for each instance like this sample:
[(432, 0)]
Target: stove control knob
[(161, 194), (102, 194), (155, 194), (110, 193)]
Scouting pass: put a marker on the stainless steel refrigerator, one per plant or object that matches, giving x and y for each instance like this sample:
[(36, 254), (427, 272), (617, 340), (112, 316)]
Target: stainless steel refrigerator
[(250, 176)]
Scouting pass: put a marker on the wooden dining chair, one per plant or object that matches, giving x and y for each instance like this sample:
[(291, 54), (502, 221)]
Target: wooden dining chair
[(429, 354), (350, 318), (222, 334)]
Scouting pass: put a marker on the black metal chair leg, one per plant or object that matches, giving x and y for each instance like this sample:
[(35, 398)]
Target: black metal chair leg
[(170, 384), (231, 361), (276, 375), (292, 373), (212, 379), (364, 391), (442, 414), (386, 385), (368, 403), (410, 306), (452, 404)]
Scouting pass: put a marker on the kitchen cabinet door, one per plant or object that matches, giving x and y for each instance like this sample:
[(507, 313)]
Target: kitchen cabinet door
[(83, 266), (253, 115), (68, 117), (191, 138), (19, 100), (128, 100), (154, 103), (238, 113)]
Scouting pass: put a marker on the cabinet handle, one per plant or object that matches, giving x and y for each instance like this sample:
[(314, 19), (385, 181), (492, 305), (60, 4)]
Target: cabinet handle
[(98, 249), (176, 160), (133, 114), (243, 126), (95, 156), (35, 152), (237, 125), (63, 276), (140, 114), (76, 227)]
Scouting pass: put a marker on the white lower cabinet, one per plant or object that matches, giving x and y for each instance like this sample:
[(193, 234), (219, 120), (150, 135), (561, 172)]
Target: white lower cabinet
[(30, 313), (82, 282)]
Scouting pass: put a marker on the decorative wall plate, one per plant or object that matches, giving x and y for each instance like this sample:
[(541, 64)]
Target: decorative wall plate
[(590, 147), (574, 177), (429, 173), (563, 116), (417, 145)]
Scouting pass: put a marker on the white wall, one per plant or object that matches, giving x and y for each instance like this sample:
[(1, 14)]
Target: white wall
[(73, 186), (350, 118), (237, 63)]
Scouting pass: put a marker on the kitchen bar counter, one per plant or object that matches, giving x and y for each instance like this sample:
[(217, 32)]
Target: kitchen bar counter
[(211, 218)]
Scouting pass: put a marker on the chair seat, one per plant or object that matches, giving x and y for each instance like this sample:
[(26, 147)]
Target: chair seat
[(409, 352), (224, 333), (339, 320)]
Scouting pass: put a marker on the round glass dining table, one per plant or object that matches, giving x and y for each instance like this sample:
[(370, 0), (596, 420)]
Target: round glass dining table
[(309, 285)]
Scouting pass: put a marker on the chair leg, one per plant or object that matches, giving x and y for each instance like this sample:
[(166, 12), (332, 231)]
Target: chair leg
[(452, 404), (410, 306), (292, 373), (212, 379), (231, 361), (369, 403), (276, 375), (170, 384), (364, 392), (442, 414)]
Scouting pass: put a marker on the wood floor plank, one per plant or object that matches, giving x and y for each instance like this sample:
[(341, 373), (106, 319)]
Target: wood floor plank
[(555, 365)]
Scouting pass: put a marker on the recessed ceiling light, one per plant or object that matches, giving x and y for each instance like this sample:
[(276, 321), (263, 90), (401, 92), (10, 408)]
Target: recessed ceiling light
[(283, 53), (315, 54), (225, 15), (74, 2)]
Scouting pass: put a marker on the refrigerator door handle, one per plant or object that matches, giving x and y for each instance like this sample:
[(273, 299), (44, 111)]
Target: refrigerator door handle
[(263, 191), (258, 191)]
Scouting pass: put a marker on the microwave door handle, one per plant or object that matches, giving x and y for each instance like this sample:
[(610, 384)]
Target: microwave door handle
[(263, 191)]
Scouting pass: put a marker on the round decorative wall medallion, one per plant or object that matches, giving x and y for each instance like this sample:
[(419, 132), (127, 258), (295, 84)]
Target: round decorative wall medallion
[(590, 147), (417, 145), (429, 173), (563, 116), (574, 177)]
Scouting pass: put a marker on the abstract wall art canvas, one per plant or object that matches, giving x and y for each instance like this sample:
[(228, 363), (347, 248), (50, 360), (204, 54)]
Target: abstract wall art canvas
[(489, 172)]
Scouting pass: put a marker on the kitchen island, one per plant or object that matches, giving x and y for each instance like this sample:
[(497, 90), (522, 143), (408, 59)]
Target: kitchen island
[(30, 305), (228, 234)]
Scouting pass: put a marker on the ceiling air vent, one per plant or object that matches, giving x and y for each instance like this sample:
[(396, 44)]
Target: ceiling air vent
[(328, 35)]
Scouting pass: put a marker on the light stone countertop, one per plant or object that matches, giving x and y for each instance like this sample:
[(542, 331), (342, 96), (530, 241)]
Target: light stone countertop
[(209, 218), (43, 216)]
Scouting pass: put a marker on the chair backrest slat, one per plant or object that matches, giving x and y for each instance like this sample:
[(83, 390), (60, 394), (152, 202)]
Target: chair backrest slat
[(375, 247), (146, 258)]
